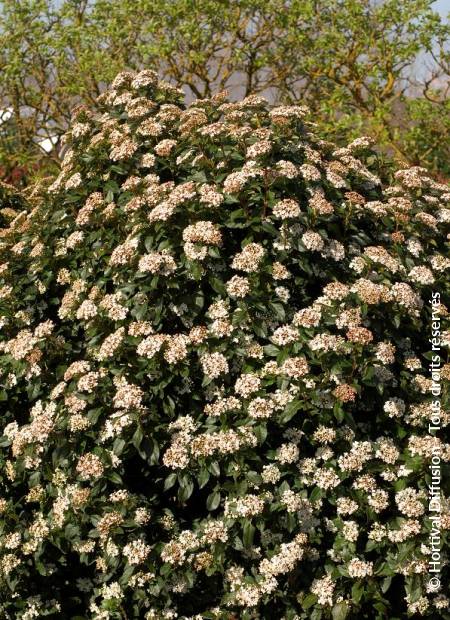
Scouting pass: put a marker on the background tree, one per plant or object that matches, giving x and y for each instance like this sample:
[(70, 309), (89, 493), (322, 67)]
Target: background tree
[(378, 67)]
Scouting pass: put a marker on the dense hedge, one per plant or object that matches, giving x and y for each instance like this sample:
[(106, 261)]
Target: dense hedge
[(214, 380)]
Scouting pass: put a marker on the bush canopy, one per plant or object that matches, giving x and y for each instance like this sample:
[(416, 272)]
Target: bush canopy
[(214, 359)]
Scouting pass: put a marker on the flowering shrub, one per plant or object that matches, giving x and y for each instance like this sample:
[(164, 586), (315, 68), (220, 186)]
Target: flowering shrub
[(214, 370)]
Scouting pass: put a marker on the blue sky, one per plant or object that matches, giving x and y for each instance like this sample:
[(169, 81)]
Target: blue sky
[(443, 6)]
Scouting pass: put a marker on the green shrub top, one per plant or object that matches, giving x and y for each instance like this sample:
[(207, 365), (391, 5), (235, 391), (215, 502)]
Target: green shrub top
[(214, 363)]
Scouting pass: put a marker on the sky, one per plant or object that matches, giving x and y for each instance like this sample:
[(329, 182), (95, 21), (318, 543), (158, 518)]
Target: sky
[(442, 6)]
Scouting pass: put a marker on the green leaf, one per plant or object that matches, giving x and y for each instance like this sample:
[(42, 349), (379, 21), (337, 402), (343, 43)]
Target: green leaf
[(357, 592), (114, 477), (309, 600), (271, 350), (248, 534), (290, 410), (260, 433), (137, 437), (129, 570), (214, 468), (338, 412), (170, 481), (316, 494), (386, 584), (203, 477), (340, 611), (213, 501), (185, 490), (148, 243), (218, 286)]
